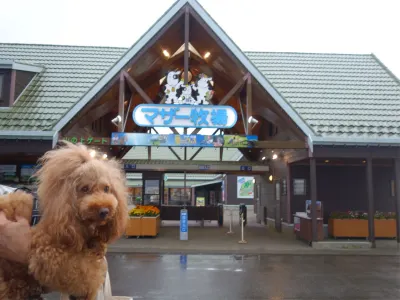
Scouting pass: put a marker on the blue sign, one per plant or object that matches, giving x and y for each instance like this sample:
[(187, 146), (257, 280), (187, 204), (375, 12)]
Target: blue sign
[(193, 116), (246, 168), (204, 167), (182, 140), (184, 220), (130, 166), (183, 228)]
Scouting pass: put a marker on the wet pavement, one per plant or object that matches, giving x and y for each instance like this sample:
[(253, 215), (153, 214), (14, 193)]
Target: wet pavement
[(152, 276)]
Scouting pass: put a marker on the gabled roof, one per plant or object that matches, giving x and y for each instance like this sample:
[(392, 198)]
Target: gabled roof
[(333, 98), (339, 95), (68, 74)]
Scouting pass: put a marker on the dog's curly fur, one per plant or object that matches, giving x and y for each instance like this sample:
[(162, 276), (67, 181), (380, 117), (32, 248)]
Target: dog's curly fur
[(83, 204)]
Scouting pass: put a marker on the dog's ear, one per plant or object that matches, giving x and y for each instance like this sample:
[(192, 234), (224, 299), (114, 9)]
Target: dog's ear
[(116, 227)]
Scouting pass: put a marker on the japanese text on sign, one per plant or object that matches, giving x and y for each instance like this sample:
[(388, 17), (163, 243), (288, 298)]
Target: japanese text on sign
[(87, 140), (156, 115)]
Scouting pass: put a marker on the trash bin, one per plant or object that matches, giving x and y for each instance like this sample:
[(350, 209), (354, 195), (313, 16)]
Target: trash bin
[(243, 213)]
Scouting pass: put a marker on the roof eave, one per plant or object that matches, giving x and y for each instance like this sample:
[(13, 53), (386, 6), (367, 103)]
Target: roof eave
[(30, 135), (10, 64), (332, 141)]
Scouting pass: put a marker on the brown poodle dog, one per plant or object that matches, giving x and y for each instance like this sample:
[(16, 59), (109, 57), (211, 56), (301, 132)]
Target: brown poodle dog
[(83, 204)]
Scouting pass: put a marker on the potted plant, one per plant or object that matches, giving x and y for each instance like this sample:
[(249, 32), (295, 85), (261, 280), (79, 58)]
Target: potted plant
[(355, 224), (144, 220)]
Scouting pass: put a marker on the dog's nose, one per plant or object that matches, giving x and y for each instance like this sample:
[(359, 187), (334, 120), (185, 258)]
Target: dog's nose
[(104, 212)]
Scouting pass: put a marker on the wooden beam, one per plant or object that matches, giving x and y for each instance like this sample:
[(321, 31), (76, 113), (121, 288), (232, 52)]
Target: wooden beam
[(185, 150), (243, 116), (174, 130), (186, 50), (195, 154), (170, 148), (127, 112), (134, 85), (221, 150), (95, 113), (371, 208), (198, 151), (176, 154), (280, 144), (196, 131), (229, 95), (249, 105), (149, 153), (121, 100), (237, 86)]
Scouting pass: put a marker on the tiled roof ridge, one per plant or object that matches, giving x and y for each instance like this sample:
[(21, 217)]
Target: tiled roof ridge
[(62, 45), (310, 53), (387, 70), (126, 48)]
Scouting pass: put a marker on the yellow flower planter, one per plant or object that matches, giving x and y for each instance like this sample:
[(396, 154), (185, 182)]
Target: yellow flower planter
[(143, 226), (352, 228)]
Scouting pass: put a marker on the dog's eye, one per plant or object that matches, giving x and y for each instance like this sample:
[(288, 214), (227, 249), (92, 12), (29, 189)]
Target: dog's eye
[(85, 189), (106, 189)]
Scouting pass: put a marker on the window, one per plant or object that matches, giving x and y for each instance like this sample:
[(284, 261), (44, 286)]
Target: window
[(1, 85), (180, 197), (299, 187)]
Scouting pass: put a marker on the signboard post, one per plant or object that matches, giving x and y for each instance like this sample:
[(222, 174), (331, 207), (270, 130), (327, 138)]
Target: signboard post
[(183, 228)]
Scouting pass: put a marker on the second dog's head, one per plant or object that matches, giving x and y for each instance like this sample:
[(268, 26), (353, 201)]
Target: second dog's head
[(81, 196)]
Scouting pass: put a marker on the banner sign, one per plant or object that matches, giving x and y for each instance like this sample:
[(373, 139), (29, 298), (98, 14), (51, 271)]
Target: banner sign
[(87, 140), (183, 140), (245, 187), (193, 116)]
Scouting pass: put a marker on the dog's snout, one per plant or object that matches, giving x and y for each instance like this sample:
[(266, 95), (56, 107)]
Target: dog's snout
[(104, 212)]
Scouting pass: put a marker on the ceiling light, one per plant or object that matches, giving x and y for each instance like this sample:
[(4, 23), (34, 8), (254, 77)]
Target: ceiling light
[(92, 153), (104, 156), (116, 120), (252, 120), (263, 158), (327, 161), (207, 55), (166, 53), (275, 156)]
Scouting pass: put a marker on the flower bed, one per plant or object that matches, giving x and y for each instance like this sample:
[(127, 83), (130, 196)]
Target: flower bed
[(355, 224), (144, 220)]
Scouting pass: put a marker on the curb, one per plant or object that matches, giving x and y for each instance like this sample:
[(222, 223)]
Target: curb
[(344, 252)]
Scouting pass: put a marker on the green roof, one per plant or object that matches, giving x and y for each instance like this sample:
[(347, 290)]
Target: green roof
[(337, 95), (68, 74)]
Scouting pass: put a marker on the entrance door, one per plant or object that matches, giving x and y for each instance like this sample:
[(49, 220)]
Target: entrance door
[(278, 218)]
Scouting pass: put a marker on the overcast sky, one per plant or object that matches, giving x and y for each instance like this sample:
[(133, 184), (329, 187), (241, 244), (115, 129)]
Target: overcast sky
[(340, 26), (345, 26)]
